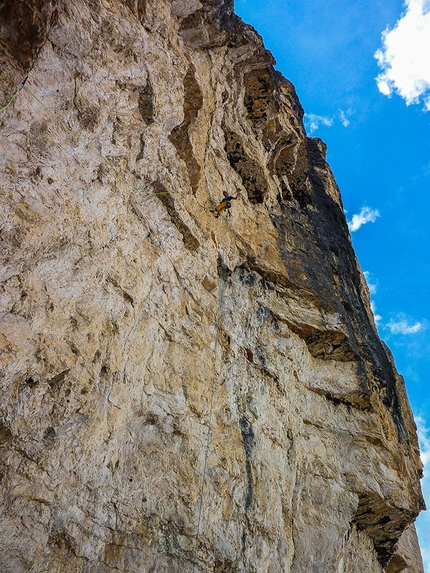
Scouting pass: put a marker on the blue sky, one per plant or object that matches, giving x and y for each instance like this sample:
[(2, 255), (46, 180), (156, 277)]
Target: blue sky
[(362, 73)]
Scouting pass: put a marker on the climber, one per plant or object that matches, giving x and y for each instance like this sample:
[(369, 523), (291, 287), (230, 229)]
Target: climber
[(226, 202)]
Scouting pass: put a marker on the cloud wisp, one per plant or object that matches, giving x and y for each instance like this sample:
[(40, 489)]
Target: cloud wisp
[(404, 56), (400, 325), (344, 120), (424, 439), (403, 326), (366, 215), (313, 121), (373, 288), (371, 283)]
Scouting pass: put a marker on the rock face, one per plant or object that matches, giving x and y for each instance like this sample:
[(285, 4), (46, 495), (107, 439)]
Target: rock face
[(183, 393)]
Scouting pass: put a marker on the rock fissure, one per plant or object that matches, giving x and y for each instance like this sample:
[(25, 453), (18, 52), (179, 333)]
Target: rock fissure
[(180, 136)]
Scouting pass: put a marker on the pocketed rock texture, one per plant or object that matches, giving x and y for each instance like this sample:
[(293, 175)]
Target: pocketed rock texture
[(133, 322)]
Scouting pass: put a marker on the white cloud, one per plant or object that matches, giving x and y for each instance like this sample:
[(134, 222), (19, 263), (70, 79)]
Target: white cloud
[(377, 317), (402, 326), (315, 121), (373, 285), (404, 56), (366, 215), (424, 439), (344, 120)]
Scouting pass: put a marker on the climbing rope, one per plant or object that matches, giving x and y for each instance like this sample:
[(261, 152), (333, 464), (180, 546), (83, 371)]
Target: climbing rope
[(66, 125), (75, 133), (14, 96), (212, 399)]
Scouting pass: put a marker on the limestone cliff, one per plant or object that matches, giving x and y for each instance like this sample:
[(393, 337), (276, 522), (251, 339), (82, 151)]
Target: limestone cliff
[(179, 392)]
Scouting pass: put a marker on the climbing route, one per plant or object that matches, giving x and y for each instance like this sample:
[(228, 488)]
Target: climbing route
[(143, 190), (212, 399), (224, 205), (79, 137), (12, 99)]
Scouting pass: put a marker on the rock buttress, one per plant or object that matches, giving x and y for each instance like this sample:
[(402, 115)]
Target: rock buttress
[(111, 274)]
